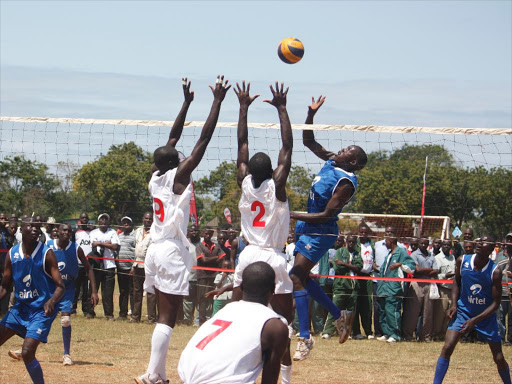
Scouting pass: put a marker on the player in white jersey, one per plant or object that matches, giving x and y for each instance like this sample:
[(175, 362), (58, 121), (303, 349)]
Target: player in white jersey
[(242, 339), (168, 262), (263, 206)]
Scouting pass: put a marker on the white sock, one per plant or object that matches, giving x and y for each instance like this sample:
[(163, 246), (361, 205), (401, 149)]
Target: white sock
[(286, 374), (159, 347)]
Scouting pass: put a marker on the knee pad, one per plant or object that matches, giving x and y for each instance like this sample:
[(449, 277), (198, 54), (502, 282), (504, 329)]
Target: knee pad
[(65, 321)]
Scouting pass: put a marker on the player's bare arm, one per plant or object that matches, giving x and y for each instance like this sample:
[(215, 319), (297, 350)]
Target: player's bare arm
[(274, 339), (232, 252), (185, 168), (52, 269), (340, 198), (7, 277), (245, 101), (284, 162), (452, 311), (496, 300), (177, 127), (308, 136), (90, 273)]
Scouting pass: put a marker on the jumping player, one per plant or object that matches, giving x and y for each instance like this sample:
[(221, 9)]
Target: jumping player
[(242, 339), (264, 211), (38, 287), (168, 262), (476, 296), (317, 229)]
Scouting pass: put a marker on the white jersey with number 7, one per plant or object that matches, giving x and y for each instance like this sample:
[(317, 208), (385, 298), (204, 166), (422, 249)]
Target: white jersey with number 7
[(265, 219), (171, 211)]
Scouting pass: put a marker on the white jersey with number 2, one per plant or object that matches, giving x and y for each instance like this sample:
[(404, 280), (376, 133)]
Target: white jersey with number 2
[(171, 211), (265, 219), (227, 348)]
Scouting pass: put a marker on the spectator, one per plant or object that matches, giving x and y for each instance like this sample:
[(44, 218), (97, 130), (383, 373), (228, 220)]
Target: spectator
[(458, 251), (469, 247), (208, 255), (288, 250), (49, 226), (237, 245), (142, 242), (468, 234), (222, 239), (190, 302), (17, 233), (366, 248), (390, 293), (222, 279), (446, 264), (83, 240), (436, 246), (503, 263), (105, 242), (418, 300), (414, 244), (42, 235), (126, 269), (347, 262)]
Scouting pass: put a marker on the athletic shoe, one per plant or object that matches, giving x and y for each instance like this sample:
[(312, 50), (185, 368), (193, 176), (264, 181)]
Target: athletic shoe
[(304, 348), (344, 325), (371, 337), (144, 379), (391, 340), (382, 338), (15, 354), (326, 336), (66, 360), (358, 337)]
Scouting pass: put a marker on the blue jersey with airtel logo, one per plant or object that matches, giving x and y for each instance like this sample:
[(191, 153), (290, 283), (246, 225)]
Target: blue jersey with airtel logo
[(322, 189), (67, 260), (476, 286), (32, 285)]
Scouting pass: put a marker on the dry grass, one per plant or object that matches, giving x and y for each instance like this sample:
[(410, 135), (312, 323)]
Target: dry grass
[(115, 352)]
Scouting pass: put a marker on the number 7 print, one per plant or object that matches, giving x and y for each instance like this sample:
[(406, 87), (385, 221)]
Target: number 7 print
[(222, 324)]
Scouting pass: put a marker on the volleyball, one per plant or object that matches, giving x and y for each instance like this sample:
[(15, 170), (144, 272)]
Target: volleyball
[(290, 50)]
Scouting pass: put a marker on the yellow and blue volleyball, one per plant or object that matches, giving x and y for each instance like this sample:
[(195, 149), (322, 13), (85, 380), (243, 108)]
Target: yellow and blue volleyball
[(290, 50)]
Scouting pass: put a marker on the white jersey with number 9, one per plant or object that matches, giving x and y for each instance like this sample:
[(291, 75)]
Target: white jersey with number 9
[(265, 219)]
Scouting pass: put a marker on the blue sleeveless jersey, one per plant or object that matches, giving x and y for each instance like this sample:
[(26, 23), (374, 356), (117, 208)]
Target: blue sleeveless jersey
[(476, 287), (32, 285), (322, 188), (67, 260)]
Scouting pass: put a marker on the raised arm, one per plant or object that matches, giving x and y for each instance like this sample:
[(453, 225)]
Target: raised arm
[(177, 127), (186, 167), (284, 162), (53, 270), (308, 136), (243, 143)]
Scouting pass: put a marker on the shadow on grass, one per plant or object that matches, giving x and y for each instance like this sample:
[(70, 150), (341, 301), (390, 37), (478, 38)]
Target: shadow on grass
[(83, 363)]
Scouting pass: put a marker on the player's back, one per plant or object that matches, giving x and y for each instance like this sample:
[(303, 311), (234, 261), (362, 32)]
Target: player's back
[(476, 286), (265, 220), (227, 348), (171, 211), (32, 285), (67, 261)]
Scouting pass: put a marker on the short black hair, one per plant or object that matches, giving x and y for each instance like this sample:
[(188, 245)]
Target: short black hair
[(361, 157), (258, 279), (163, 156), (260, 166)]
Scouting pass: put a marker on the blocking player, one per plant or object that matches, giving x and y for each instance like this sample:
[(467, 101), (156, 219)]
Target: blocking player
[(317, 230), (168, 261), (38, 287), (476, 296), (264, 211), (242, 339), (68, 253)]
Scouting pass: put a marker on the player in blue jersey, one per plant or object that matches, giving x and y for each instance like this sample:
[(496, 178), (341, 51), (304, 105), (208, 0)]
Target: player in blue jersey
[(317, 230), (38, 287), (476, 295)]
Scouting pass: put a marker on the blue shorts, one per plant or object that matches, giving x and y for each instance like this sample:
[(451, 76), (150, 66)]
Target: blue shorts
[(487, 329), (313, 247), (28, 323), (66, 303)]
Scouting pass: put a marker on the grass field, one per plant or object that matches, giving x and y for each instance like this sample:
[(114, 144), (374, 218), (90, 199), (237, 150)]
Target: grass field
[(115, 352)]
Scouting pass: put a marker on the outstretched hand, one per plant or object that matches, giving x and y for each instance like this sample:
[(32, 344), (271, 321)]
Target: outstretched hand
[(221, 88), (189, 96), (315, 105), (243, 95), (209, 294), (279, 96)]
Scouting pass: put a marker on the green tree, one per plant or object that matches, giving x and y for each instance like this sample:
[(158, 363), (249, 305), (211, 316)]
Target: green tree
[(117, 182)]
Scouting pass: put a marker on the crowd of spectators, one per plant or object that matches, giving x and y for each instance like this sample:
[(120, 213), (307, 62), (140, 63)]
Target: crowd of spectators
[(384, 310)]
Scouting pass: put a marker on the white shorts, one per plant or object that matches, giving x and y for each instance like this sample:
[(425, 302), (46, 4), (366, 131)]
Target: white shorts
[(277, 260), (167, 266)]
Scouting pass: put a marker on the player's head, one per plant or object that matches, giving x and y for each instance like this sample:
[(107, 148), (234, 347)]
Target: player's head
[(485, 245), (352, 158), (166, 158), (30, 229), (260, 167), (258, 282), (64, 233)]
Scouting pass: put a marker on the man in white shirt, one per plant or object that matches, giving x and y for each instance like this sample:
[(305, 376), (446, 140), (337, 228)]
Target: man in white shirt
[(83, 240), (104, 243), (446, 264)]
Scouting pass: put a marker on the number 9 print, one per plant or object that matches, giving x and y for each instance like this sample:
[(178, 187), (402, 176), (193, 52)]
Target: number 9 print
[(159, 209)]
